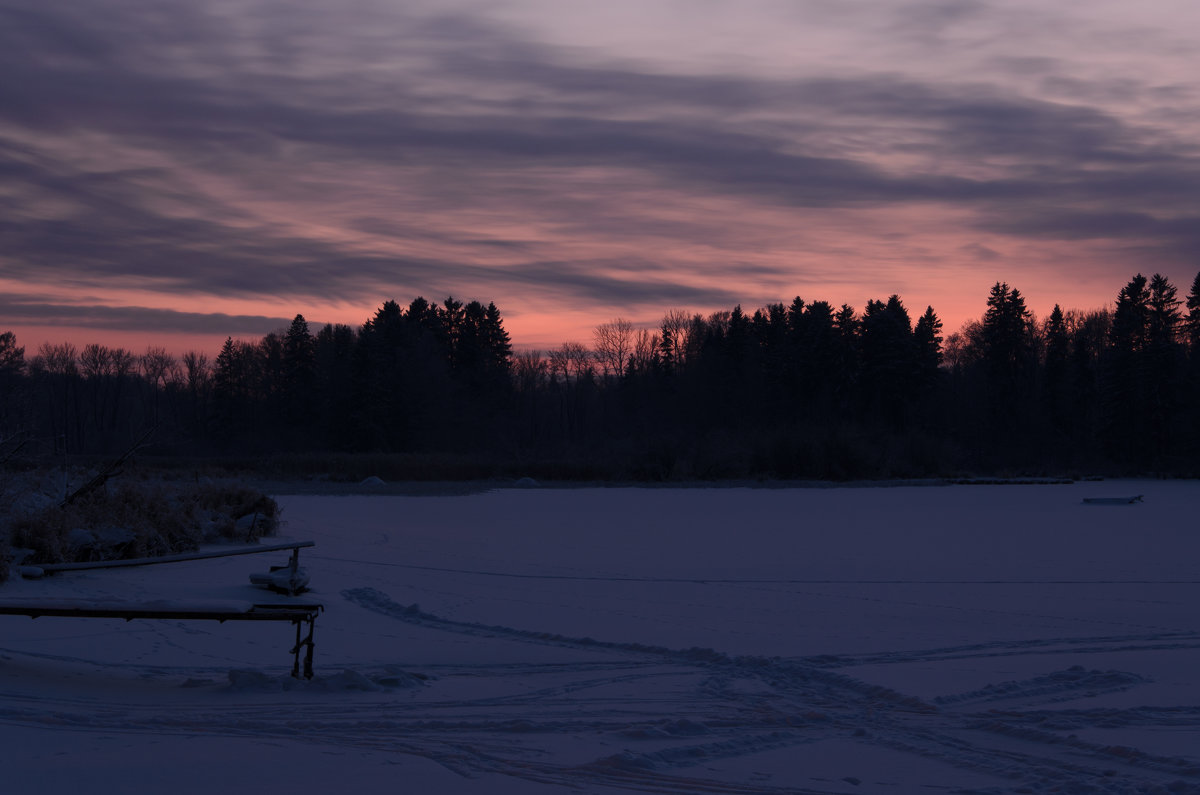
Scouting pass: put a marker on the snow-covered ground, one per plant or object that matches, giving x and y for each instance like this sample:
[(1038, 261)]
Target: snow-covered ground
[(899, 640)]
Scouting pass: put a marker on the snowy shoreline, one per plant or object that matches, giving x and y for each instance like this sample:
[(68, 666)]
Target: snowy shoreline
[(445, 488)]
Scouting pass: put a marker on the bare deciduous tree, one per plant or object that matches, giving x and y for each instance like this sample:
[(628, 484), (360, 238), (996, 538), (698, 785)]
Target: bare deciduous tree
[(614, 345), (571, 361), (159, 367), (123, 362), (645, 349), (95, 361), (197, 369), (57, 358), (677, 324), (530, 370)]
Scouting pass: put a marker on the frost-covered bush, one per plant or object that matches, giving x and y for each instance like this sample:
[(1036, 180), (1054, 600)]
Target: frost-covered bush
[(237, 512), (140, 519)]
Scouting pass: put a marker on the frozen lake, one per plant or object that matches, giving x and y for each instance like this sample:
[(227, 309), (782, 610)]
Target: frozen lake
[(905, 639)]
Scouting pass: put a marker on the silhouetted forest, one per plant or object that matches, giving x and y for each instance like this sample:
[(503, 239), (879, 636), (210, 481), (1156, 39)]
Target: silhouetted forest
[(802, 390)]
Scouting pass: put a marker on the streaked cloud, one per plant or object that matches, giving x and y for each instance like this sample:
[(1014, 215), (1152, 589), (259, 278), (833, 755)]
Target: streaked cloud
[(322, 159), (135, 318)]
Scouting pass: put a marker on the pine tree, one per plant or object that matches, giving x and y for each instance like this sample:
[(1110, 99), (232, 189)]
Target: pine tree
[(1123, 381), (1193, 318), (889, 364), (299, 374), (1131, 317), (847, 336), (12, 367), (928, 339), (818, 354), (666, 349), (1164, 367), (1058, 346), (1007, 333), (497, 343), (12, 356), (1162, 314)]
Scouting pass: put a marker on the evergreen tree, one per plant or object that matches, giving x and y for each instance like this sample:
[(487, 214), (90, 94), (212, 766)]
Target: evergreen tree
[(233, 392), (1163, 317), (847, 337), (1193, 318), (1123, 384), (451, 315), (299, 365), (889, 363), (1057, 340), (12, 356), (1008, 354), (1191, 424), (666, 349), (12, 368), (818, 356), (1163, 368), (333, 358), (1131, 318), (380, 418), (1007, 334), (497, 345), (928, 338), (1058, 345), (739, 353)]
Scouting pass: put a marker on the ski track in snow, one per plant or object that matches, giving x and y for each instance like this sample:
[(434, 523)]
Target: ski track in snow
[(636, 717)]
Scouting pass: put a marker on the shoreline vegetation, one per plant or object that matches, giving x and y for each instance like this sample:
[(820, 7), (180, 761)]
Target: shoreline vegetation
[(145, 514), (799, 391)]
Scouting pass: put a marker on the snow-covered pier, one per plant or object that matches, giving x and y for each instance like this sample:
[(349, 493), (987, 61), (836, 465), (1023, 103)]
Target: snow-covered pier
[(301, 615)]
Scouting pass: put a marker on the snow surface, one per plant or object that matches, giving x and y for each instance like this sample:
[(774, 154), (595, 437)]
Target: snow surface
[(985, 639)]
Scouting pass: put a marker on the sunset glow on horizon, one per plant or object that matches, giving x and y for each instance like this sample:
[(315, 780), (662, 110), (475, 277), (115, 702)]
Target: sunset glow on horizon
[(173, 175)]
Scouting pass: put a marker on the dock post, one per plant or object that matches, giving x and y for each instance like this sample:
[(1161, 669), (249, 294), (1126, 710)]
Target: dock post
[(301, 644)]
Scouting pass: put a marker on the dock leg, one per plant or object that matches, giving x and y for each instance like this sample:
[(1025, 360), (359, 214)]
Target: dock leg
[(302, 644), (296, 651), (308, 657), (294, 566)]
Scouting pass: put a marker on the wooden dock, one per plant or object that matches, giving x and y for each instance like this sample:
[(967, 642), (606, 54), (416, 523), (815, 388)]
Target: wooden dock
[(294, 546), (300, 614)]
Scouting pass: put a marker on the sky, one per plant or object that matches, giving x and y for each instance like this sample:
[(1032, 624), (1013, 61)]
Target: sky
[(175, 173)]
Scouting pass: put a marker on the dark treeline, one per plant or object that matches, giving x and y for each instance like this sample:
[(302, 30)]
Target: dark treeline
[(803, 390)]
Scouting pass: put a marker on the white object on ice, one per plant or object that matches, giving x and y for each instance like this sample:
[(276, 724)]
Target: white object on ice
[(289, 579), (283, 579)]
